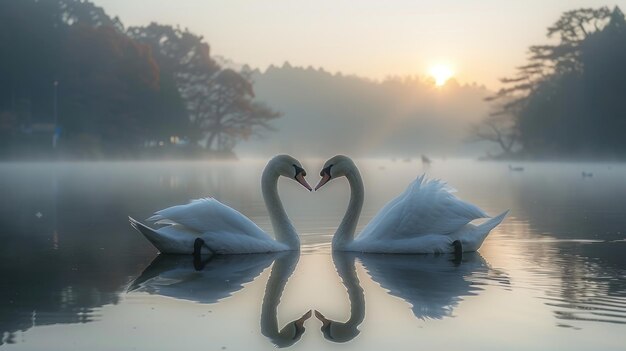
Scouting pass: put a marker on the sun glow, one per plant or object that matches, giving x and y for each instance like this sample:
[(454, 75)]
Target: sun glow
[(441, 73)]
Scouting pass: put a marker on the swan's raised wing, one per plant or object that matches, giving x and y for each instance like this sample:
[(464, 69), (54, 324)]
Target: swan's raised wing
[(425, 207), (210, 216)]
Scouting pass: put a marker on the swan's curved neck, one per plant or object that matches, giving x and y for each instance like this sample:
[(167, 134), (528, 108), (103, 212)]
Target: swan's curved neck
[(347, 228), (283, 229)]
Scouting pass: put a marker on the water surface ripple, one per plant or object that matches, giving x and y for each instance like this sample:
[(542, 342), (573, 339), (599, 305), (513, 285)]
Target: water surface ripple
[(76, 276)]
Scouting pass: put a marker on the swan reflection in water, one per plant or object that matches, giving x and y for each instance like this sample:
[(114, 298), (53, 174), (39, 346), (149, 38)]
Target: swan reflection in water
[(345, 331), (433, 285), (292, 331), (211, 279), (201, 279)]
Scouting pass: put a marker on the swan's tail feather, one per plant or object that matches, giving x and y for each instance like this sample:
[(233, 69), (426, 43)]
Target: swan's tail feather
[(154, 218), (165, 222), (492, 222), (473, 240), (149, 233), (133, 222)]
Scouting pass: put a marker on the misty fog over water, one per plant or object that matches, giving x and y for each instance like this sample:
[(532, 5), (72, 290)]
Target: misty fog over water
[(553, 272), (112, 110), (326, 114)]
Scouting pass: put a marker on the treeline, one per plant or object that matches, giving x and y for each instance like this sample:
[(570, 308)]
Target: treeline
[(76, 82), (569, 99), (329, 113)]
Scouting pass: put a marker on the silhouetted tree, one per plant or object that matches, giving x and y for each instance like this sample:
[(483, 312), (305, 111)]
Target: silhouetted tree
[(498, 128), (109, 83), (109, 92), (117, 89), (228, 113), (568, 99), (219, 101)]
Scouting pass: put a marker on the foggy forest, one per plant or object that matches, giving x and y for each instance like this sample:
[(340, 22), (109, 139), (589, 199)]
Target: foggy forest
[(79, 84)]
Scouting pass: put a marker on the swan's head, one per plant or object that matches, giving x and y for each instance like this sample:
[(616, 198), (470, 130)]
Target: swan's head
[(337, 331), (338, 166), (292, 332), (289, 167)]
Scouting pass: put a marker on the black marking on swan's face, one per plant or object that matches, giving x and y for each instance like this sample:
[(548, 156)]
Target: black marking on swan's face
[(299, 170), (326, 171), (299, 177)]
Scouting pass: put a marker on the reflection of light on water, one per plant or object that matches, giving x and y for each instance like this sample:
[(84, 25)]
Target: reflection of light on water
[(55, 240), (171, 181), (432, 284), (577, 290), (548, 267)]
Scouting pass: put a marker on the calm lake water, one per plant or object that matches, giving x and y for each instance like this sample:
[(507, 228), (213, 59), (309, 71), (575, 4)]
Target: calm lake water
[(76, 276)]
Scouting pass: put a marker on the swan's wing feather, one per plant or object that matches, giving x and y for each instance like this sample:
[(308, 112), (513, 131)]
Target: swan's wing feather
[(208, 215), (426, 207), (431, 208), (240, 244), (387, 215)]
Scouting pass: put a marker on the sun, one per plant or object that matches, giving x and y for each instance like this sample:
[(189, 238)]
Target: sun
[(441, 73)]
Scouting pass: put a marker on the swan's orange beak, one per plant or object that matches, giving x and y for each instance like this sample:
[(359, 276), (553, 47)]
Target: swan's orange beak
[(301, 180), (324, 180)]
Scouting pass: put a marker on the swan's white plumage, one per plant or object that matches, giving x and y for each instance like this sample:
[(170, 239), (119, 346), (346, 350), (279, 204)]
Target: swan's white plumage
[(425, 219), (223, 229), (426, 207), (208, 215)]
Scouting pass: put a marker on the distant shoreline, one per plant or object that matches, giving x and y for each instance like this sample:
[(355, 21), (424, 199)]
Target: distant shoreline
[(550, 158), (233, 157), (205, 156)]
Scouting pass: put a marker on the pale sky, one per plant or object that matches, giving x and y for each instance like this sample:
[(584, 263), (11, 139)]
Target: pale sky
[(481, 40)]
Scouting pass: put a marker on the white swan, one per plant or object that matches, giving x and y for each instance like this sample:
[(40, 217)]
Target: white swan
[(426, 218), (208, 226)]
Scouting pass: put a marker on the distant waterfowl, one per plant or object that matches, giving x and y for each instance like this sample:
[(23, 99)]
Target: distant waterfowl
[(426, 218), (426, 161), (221, 229), (516, 168)]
